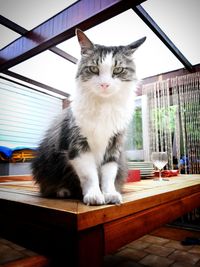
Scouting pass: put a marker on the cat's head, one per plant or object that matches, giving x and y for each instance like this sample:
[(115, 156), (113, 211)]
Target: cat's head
[(105, 70)]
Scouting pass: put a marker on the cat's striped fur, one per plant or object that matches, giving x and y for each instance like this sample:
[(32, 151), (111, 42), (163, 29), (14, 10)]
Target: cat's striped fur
[(82, 155)]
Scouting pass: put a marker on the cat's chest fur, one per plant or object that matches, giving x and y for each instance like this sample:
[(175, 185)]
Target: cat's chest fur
[(99, 122)]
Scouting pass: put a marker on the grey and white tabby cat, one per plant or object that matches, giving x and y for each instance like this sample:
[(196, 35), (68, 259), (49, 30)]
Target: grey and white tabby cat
[(81, 155)]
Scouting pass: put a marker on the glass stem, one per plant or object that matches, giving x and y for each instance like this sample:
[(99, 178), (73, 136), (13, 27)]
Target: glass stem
[(160, 175)]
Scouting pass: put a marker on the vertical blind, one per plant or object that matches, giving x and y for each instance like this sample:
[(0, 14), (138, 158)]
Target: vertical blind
[(24, 114)]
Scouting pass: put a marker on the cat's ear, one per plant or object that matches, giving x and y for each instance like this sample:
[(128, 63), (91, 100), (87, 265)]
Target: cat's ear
[(84, 41), (134, 46)]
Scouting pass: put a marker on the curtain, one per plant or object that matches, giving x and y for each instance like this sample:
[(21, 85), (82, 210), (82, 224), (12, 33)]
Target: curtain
[(174, 120)]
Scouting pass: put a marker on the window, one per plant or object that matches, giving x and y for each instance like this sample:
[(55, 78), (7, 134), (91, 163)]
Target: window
[(137, 145)]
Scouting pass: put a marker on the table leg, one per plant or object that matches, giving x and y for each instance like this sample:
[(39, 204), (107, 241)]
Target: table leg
[(90, 247)]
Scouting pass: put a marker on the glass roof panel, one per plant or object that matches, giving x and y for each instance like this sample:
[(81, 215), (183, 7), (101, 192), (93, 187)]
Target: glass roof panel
[(152, 58), (180, 20), (50, 69), (31, 13), (7, 36)]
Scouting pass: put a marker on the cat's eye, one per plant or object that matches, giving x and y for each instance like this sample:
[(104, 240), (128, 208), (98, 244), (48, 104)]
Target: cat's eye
[(94, 69), (118, 70)]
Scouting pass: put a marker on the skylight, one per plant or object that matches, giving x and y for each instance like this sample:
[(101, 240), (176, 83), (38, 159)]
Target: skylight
[(179, 19)]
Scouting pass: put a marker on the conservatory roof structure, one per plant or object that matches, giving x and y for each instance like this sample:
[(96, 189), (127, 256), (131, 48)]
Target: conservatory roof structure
[(39, 47)]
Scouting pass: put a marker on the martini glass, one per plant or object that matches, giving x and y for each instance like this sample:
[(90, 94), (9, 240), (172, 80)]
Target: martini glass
[(159, 160)]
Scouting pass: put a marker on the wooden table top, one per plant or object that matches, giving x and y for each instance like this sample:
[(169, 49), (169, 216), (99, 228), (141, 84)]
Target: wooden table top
[(137, 196)]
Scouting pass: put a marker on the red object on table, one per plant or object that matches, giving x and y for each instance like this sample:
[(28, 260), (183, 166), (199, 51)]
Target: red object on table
[(167, 173), (133, 176)]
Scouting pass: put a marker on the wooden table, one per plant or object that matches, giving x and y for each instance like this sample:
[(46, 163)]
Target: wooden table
[(73, 234)]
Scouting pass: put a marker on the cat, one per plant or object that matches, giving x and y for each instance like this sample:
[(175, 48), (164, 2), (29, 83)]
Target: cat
[(82, 155)]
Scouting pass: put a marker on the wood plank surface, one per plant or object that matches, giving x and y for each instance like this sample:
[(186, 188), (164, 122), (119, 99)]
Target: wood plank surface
[(33, 261), (15, 178), (137, 196), (68, 230), (134, 226), (175, 233)]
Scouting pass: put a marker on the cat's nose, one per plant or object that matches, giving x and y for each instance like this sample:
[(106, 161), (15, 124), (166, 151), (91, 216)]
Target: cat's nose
[(104, 86)]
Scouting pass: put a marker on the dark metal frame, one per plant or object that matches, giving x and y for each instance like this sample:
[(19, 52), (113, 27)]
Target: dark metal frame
[(12, 25), (22, 31), (33, 82), (83, 14), (30, 87), (140, 11)]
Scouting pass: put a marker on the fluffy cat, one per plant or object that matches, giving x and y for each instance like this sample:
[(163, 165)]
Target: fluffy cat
[(81, 155)]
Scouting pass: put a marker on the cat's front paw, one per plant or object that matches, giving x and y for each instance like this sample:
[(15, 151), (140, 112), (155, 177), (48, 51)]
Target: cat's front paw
[(94, 198), (113, 197)]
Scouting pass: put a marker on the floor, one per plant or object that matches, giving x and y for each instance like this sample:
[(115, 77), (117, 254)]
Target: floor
[(161, 248)]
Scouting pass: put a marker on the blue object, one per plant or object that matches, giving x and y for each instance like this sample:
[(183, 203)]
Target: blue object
[(7, 152)]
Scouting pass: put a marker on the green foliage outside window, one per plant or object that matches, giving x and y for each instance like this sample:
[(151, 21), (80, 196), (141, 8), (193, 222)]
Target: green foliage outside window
[(165, 117), (135, 137)]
